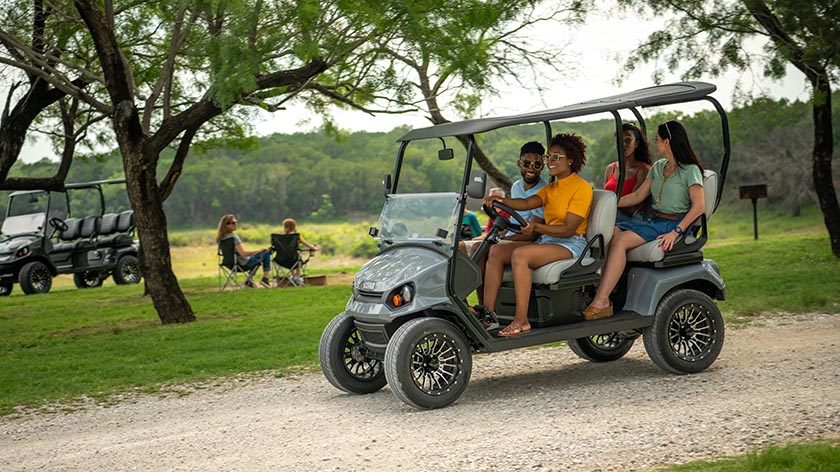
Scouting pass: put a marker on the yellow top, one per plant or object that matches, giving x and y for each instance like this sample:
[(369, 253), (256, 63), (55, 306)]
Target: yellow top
[(571, 194)]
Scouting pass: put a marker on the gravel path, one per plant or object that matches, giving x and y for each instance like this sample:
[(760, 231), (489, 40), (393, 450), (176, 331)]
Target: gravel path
[(538, 409)]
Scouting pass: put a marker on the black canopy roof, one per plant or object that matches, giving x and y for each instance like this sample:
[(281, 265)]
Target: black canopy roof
[(652, 96)]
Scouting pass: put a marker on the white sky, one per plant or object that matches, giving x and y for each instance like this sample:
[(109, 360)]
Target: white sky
[(596, 47)]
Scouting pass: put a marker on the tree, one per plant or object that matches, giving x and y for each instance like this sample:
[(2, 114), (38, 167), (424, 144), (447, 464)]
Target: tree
[(166, 72), (711, 37)]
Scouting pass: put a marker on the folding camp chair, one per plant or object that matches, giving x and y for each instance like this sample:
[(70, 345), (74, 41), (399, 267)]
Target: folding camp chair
[(289, 266), (229, 269)]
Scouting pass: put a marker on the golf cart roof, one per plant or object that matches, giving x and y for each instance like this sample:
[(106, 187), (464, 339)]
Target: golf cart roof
[(651, 96), (91, 184)]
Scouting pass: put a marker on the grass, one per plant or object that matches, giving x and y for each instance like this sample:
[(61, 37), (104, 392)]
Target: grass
[(817, 456)]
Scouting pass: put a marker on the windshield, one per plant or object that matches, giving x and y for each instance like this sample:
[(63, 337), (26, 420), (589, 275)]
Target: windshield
[(419, 216), (27, 213)]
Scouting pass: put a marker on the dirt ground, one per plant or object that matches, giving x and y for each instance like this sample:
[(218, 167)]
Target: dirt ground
[(534, 409)]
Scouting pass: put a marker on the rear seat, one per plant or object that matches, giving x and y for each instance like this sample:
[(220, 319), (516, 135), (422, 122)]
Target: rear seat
[(601, 222), (694, 238), (69, 235), (120, 234)]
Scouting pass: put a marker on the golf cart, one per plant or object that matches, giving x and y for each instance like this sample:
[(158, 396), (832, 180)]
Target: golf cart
[(41, 238), (407, 323)]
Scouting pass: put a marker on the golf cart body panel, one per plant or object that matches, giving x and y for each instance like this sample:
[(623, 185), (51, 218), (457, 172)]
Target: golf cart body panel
[(408, 310)]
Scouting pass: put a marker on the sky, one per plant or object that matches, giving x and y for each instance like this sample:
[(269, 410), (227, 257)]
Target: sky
[(597, 47)]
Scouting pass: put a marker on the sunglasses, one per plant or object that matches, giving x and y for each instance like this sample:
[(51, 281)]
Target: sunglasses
[(527, 164), (232, 222), (553, 157)]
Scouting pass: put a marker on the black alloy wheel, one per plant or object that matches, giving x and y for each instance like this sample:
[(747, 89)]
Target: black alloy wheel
[(345, 360), (601, 347), (35, 277)]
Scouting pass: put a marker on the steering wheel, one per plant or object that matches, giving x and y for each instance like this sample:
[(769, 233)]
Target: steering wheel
[(512, 214), (58, 224)]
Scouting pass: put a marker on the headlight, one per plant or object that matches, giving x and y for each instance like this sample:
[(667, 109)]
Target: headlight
[(401, 296), (22, 252)]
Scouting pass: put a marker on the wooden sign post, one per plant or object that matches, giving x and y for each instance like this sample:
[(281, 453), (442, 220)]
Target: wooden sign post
[(753, 192)]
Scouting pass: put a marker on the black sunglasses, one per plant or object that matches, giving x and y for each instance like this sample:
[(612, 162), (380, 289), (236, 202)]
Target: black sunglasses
[(527, 164)]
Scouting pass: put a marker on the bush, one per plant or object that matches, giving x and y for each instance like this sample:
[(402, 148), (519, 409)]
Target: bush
[(365, 248)]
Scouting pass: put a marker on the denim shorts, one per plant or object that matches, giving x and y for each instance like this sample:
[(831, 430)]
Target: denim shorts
[(649, 229), (575, 244)]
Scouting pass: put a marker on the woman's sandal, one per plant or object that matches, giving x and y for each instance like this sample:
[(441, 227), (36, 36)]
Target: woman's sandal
[(486, 317), (514, 330), (592, 313)]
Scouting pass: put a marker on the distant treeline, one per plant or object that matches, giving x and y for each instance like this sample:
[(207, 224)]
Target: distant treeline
[(312, 176)]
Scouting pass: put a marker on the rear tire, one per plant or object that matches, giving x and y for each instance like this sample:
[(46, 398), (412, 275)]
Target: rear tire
[(127, 270), (345, 360), (35, 277), (601, 348), (428, 363), (687, 332), (87, 279)]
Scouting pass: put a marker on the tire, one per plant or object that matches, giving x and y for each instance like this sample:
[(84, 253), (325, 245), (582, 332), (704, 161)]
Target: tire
[(6, 288), (35, 277), (601, 348), (687, 332), (428, 363), (87, 279), (344, 359), (127, 270)]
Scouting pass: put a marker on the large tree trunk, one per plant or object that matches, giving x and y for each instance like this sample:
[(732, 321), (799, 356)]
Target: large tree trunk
[(822, 155)]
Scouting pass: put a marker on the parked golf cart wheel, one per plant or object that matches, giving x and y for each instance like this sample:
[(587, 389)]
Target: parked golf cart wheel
[(687, 332), (345, 360), (428, 363), (602, 347), (6, 288), (127, 271), (35, 277), (87, 279)]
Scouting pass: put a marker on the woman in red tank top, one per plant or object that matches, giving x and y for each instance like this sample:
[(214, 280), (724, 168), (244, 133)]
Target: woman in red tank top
[(636, 167)]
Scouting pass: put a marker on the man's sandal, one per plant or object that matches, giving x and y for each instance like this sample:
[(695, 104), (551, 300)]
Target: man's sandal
[(592, 313), (486, 317)]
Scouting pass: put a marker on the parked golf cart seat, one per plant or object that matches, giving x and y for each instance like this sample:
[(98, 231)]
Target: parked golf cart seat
[(87, 233), (599, 230), (688, 247), (69, 235), (115, 230)]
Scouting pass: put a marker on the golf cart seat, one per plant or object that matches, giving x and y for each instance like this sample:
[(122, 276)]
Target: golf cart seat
[(69, 235), (693, 239), (87, 233), (599, 230), (116, 229)]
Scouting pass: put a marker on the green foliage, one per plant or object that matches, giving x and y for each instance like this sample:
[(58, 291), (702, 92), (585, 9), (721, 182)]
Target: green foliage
[(815, 456)]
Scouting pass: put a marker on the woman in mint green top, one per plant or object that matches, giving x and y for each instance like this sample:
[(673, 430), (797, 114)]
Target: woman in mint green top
[(675, 184)]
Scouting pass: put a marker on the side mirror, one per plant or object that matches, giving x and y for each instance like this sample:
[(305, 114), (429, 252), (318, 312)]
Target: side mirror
[(386, 181), (477, 184), (446, 154)]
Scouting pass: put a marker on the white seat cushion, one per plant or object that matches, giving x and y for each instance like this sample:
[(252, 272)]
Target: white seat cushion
[(601, 221), (650, 251)]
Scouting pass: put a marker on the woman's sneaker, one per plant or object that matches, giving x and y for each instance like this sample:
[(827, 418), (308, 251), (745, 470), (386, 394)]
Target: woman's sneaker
[(265, 282), (487, 318)]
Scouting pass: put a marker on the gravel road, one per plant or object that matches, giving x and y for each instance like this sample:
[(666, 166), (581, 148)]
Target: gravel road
[(539, 409)]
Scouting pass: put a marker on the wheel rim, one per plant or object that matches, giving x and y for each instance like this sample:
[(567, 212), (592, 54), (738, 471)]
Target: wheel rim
[(435, 364), (40, 278), (606, 341), (91, 279), (5, 288), (691, 332), (356, 359), (130, 271)]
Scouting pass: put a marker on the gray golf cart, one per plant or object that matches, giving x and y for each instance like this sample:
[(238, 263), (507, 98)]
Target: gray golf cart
[(407, 323), (41, 238)]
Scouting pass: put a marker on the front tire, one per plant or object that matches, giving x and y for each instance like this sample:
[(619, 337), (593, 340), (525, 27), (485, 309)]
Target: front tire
[(687, 332), (428, 363), (127, 270), (35, 277), (87, 279), (345, 360), (6, 288), (602, 347)]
